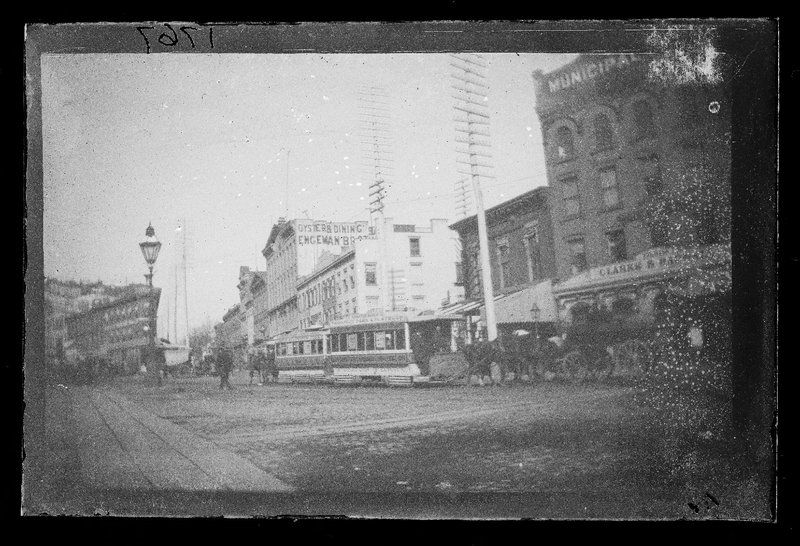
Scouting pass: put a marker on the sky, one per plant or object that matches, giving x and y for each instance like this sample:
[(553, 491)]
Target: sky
[(198, 145)]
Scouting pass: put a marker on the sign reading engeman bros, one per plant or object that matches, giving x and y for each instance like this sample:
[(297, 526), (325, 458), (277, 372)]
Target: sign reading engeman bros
[(320, 232)]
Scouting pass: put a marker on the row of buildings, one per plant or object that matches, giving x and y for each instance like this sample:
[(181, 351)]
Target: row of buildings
[(636, 208), (99, 321), (320, 271)]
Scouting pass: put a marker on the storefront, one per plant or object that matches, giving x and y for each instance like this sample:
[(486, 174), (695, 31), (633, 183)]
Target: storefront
[(636, 293)]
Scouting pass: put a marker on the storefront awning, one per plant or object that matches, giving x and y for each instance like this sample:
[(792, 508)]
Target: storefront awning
[(465, 308), (515, 307)]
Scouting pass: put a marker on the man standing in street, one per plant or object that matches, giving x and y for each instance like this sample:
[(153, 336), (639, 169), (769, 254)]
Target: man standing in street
[(224, 366)]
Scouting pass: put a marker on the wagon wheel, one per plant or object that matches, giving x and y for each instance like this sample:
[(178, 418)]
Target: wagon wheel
[(573, 366), (632, 356), (603, 368)]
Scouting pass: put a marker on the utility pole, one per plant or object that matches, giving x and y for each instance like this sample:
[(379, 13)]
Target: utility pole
[(175, 296), (472, 123), (286, 186), (376, 140)]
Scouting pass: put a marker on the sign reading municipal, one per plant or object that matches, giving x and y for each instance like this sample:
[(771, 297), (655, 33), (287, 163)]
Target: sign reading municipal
[(576, 74)]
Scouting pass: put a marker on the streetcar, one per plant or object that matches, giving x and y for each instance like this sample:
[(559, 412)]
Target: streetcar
[(393, 350)]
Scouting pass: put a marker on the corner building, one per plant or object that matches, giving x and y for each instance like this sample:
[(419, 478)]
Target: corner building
[(615, 137)]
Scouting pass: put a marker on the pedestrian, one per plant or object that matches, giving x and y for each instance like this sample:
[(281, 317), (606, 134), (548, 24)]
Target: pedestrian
[(271, 368), (159, 363), (254, 366), (261, 365), (224, 366)]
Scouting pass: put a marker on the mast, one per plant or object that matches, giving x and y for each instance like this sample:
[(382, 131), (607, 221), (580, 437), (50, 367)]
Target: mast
[(175, 295), (185, 288)]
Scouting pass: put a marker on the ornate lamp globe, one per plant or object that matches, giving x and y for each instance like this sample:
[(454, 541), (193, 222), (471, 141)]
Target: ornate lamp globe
[(150, 248)]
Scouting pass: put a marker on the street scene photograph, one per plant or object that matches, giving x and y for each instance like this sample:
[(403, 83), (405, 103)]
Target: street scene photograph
[(337, 276)]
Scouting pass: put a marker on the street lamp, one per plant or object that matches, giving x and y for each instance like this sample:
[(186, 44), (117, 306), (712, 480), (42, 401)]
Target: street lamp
[(150, 248)]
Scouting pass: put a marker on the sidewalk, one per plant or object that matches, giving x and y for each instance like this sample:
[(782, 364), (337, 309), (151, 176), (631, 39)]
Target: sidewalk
[(122, 446)]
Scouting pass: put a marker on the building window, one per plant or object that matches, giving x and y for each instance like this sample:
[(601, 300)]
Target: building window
[(652, 182), (643, 120), (623, 307), (352, 282), (503, 257), (577, 251), (533, 251), (608, 187), (603, 132), (707, 231), (572, 202), (459, 274), (617, 248), (414, 246), (370, 274), (565, 144)]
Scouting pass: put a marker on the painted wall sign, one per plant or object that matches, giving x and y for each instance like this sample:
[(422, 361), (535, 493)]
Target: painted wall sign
[(588, 70), (310, 232)]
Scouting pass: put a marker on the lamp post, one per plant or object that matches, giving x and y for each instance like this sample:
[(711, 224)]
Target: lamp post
[(150, 248)]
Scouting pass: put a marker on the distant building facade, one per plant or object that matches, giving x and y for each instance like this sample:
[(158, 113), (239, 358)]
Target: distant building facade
[(292, 251), (614, 139), (117, 331), (521, 255), (59, 302), (406, 268)]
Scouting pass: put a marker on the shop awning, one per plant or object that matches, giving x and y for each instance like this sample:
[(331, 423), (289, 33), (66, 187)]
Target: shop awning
[(465, 308), (515, 307)]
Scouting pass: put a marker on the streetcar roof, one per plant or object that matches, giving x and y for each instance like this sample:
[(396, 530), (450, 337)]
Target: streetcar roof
[(383, 323), (306, 335)]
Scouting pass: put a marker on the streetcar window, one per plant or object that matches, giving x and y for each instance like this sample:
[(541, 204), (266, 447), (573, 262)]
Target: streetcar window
[(370, 340), (380, 340), (320, 347), (333, 343), (307, 348), (389, 340), (400, 339), (360, 341), (342, 342), (351, 342), (296, 348)]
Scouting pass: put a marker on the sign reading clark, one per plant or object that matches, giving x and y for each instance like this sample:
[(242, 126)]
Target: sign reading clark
[(321, 232), (653, 263)]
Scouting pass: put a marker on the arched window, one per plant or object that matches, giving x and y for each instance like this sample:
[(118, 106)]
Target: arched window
[(623, 307), (580, 312), (643, 119), (603, 133), (565, 143)]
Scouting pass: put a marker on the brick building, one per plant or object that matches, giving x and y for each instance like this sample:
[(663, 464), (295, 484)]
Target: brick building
[(521, 251), (616, 139)]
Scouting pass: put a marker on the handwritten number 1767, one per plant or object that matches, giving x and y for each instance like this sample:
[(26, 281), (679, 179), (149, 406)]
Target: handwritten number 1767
[(171, 38)]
